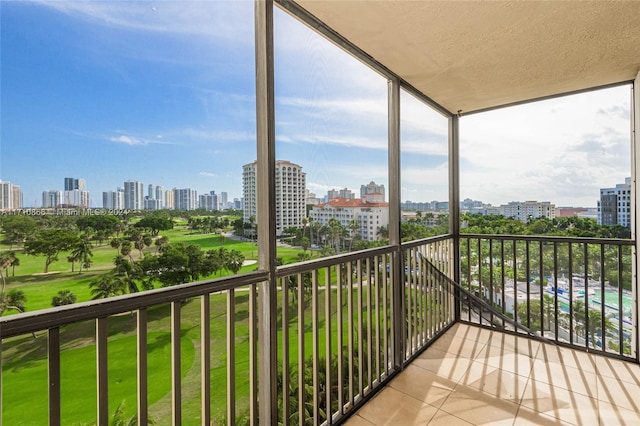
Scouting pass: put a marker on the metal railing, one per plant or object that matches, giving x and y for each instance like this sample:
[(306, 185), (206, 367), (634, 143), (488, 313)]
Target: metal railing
[(574, 291), (351, 305), (345, 324), (145, 335)]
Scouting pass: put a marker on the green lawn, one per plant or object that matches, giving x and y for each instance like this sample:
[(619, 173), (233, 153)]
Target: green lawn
[(24, 362)]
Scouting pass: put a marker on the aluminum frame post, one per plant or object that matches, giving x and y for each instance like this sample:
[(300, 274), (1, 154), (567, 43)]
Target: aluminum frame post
[(635, 172), (395, 239), (266, 148), (454, 199)]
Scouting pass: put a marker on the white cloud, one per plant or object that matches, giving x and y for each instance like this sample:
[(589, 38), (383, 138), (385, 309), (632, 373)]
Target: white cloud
[(208, 174), (136, 140), (226, 20), (561, 150)]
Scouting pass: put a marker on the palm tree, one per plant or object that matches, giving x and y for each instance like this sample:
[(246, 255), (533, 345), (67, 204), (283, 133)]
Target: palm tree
[(7, 260), (82, 252), (64, 297), (106, 286), (234, 261), (14, 299)]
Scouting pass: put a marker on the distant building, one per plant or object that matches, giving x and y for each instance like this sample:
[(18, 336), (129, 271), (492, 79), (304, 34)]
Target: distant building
[(224, 201), (571, 211), (169, 199), (72, 184), (312, 199), (425, 206), (290, 194), (370, 217), (372, 193), (185, 199), (152, 204), (10, 196), (469, 205), (159, 190), (523, 211), (75, 193), (113, 199), (76, 198), (209, 201), (133, 195), (614, 206), (342, 193), (51, 198)]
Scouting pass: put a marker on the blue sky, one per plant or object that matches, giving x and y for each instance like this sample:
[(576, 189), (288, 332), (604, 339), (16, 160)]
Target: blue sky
[(163, 92)]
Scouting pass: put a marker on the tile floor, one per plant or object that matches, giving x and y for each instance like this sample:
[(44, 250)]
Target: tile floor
[(475, 376)]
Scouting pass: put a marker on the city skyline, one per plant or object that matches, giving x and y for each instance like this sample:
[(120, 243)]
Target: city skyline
[(163, 93)]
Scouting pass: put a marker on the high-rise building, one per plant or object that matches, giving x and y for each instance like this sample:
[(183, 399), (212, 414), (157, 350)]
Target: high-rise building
[(290, 194), (160, 195), (17, 196), (224, 201), (169, 199), (185, 199), (10, 196), (342, 193), (75, 193), (614, 206), (372, 193), (76, 198), (523, 211), (209, 201), (133, 195), (51, 198), (72, 184), (113, 199)]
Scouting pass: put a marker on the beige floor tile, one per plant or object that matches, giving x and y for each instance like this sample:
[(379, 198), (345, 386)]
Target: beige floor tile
[(529, 417), (470, 333), (618, 369), (619, 393), (442, 418), (566, 377), (507, 359), (358, 421), (392, 407), (459, 347), (444, 364), (560, 403), (494, 382), (613, 415), (423, 385), (478, 408), (569, 357), (515, 343)]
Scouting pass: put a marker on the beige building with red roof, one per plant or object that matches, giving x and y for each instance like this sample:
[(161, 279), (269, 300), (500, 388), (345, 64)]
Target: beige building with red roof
[(369, 216)]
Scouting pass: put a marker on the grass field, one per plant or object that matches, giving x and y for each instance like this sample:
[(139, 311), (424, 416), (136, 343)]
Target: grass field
[(24, 362)]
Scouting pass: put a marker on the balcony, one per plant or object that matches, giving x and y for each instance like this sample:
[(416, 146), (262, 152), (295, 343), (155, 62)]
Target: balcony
[(355, 324), (475, 376), (452, 328)]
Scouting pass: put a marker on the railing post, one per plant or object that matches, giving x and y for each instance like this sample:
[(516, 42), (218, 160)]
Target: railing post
[(265, 133), (454, 200), (395, 239)]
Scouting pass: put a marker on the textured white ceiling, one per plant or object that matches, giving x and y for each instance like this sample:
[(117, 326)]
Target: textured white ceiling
[(470, 56)]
